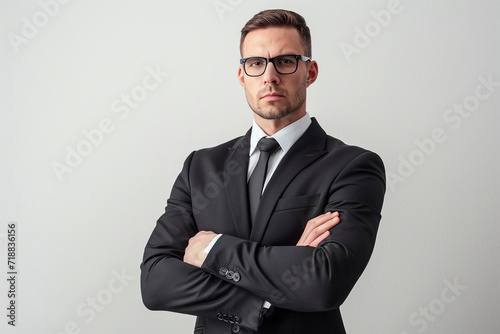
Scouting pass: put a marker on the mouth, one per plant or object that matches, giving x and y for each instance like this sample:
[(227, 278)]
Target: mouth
[(272, 96)]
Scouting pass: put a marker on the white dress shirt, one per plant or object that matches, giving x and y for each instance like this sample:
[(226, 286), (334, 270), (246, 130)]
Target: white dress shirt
[(286, 137)]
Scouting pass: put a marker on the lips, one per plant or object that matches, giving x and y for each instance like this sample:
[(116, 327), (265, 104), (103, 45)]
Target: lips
[(272, 96)]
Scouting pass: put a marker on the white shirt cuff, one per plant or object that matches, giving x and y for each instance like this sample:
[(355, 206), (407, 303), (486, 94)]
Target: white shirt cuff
[(212, 243)]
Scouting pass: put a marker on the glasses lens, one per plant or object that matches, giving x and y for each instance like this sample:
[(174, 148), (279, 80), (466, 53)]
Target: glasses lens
[(285, 64), (255, 66)]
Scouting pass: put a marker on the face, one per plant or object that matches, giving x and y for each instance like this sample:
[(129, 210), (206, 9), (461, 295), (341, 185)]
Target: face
[(274, 96)]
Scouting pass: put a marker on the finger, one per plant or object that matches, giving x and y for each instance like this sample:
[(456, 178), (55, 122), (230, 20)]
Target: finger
[(321, 219), (313, 223), (322, 237), (317, 231)]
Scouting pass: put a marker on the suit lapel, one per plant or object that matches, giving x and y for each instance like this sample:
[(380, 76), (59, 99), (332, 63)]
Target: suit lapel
[(305, 151), (236, 189)]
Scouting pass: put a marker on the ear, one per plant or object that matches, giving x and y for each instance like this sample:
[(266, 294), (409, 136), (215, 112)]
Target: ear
[(241, 76), (312, 72)]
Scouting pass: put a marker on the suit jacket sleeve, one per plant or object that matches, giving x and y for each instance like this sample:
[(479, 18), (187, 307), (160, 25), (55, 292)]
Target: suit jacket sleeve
[(307, 278), (167, 283)]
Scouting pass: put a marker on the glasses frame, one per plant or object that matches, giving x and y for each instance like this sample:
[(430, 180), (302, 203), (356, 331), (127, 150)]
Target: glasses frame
[(271, 60)]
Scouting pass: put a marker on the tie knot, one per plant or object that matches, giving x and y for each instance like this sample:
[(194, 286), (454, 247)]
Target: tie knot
[(268, 145)]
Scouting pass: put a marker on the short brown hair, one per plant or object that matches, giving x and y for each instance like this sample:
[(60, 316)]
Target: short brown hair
[(279, 18)]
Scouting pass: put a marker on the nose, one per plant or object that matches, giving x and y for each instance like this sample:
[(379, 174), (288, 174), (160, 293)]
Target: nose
[(270, 76)]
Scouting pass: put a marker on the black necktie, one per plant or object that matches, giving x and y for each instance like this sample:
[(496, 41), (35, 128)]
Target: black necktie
[(266, 146)]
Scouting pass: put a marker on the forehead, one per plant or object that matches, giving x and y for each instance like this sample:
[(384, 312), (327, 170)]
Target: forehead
[(272, 41)]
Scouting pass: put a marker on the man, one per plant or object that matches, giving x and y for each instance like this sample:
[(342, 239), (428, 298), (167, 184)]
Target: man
[(250, 241)]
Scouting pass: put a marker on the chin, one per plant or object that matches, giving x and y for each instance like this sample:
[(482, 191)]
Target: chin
[(273, 114)]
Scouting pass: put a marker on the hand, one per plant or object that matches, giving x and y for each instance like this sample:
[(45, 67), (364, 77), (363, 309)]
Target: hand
[(194, 253), (317, 229)]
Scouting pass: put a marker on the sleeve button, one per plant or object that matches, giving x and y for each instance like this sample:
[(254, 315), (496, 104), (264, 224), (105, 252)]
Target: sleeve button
[(230, 274)]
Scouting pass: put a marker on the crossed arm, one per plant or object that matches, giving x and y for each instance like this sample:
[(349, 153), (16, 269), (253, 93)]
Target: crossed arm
[(316, 230), (196, 291)]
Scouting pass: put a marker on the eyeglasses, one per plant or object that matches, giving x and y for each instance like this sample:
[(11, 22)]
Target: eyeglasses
[(285, 64)]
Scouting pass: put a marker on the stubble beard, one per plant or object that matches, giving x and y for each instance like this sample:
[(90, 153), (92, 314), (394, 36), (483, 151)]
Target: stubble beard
[(277, 111)]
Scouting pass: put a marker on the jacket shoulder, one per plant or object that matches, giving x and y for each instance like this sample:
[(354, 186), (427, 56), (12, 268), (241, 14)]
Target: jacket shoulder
[(333, 143), (221, 148), (216, 156), (347, 153)]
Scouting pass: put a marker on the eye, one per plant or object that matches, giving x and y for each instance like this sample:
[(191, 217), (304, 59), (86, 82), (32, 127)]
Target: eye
[(255, 62), (284, 61)]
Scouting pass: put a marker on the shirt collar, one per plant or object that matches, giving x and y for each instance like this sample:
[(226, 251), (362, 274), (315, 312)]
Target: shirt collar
[(286, 137)]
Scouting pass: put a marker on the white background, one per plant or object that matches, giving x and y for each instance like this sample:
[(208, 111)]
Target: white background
[(79, 229)]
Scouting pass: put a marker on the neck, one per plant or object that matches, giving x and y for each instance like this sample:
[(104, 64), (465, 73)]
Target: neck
[(271, 126)]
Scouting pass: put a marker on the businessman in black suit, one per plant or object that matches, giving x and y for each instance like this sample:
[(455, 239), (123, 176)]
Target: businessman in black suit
[(268, 235)]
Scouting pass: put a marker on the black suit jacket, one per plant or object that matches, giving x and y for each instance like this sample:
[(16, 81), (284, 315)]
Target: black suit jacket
[(252, 263)]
